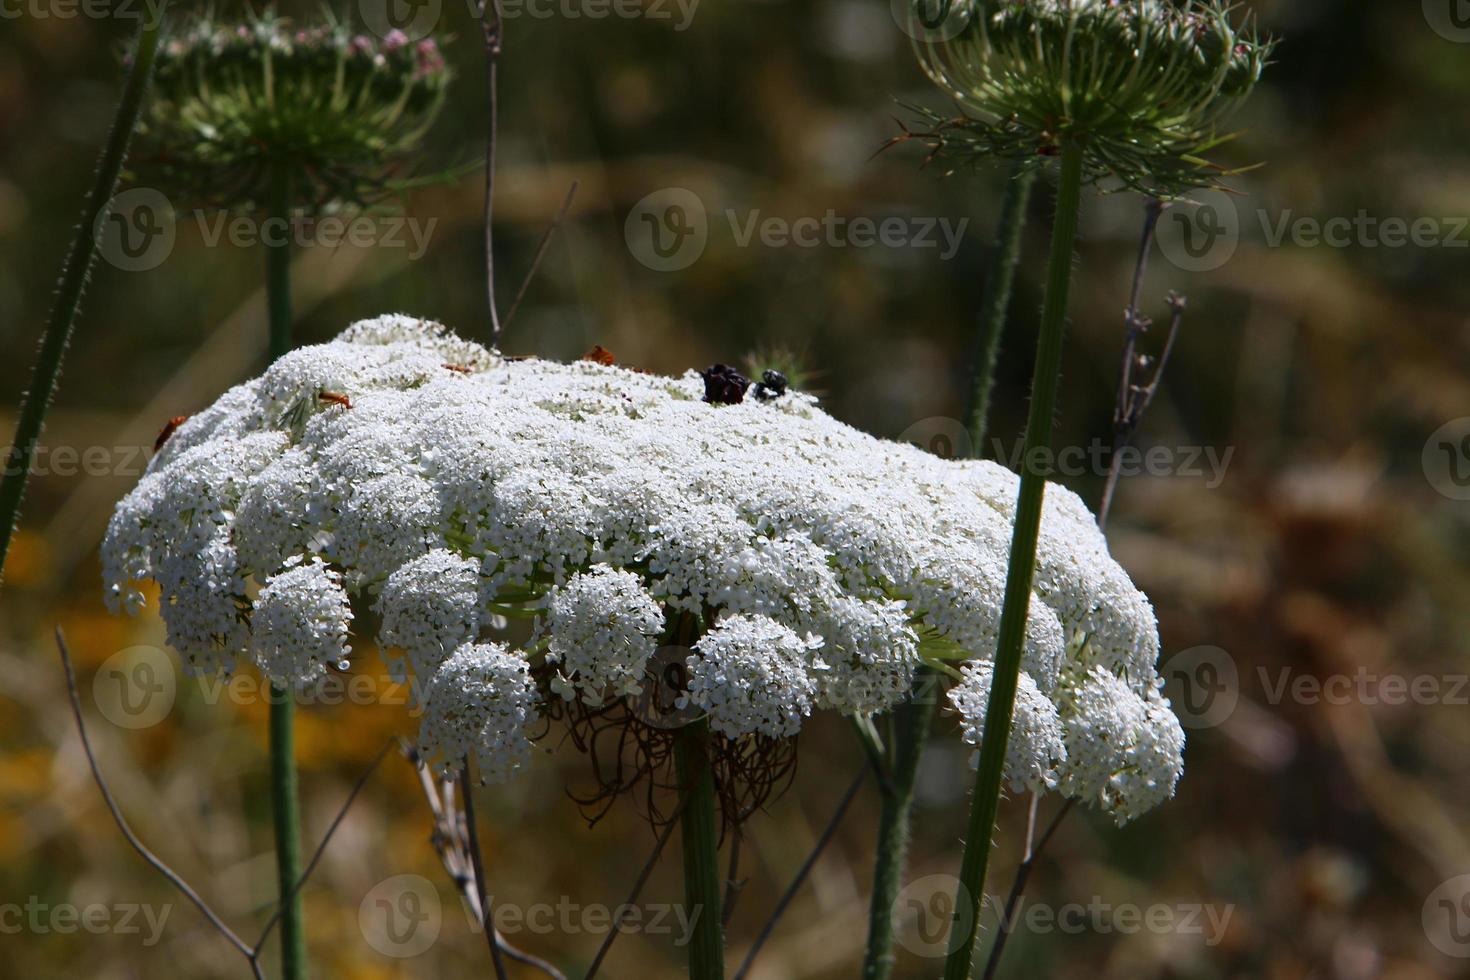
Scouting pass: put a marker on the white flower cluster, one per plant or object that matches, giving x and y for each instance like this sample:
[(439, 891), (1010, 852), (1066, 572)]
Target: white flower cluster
[(451, 487), (1035, 744), (753, 674), (604, 627), (481, 703), (300, 623)]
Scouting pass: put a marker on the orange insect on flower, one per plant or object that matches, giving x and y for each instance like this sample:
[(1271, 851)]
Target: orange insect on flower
[(335, 397), (601, 355), (168, 429), (459, 368)]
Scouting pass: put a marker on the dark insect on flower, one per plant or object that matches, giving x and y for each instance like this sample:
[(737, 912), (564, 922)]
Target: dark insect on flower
[(168, 429), (772, 384), (601, 355), (723, 385), (334, 397), (458, 368)]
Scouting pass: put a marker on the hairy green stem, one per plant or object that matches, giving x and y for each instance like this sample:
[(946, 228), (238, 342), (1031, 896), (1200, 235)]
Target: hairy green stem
[(911, 723), (913, 719), (969, 893), (997, 303), (701, 851), (285, 807), (74, 277)]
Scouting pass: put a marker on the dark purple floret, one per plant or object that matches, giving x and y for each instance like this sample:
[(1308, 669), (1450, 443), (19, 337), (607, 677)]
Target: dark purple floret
[(723, 385), (771, 385)]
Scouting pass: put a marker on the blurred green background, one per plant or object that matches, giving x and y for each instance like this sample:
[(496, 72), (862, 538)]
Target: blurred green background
[(1327, 832)]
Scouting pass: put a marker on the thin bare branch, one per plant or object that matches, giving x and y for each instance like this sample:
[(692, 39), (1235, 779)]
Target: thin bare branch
[(477, 860), (733, 884), (801, 875), (556, 221), (1134, 398), (321, 848), (153, 860), (449, 843), (1023, 875), (491, 24), (648, 866)]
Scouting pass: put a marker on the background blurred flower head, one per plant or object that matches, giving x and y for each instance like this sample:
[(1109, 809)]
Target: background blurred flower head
[(1141, 85), (337, 112)]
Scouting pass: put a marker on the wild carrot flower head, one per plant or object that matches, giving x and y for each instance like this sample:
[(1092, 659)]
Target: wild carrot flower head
[(1141, 85), (450, 488), (234, 101)]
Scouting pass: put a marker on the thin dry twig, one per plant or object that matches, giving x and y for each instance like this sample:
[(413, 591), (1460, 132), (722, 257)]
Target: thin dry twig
[(1018, 885), (648, 866), (561, 214), (491, 23), (802, 873), (477, 861), (251, 954), (321, 848), (1133, 397), (733, 882), (450, 842)]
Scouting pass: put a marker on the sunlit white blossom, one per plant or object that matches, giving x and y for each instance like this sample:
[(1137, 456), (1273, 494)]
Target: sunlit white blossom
[(429, 607), (1035, 744), (480, 705), (448, 487), (300, 622), (1124, 749), (604, 627), (752, 674)]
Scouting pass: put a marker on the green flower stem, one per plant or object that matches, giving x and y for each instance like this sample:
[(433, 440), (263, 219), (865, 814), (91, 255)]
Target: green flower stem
[(911, 723), (701, 851), (74, 277), (997, 302), (1045, 381), (913, 719), (285, 807)]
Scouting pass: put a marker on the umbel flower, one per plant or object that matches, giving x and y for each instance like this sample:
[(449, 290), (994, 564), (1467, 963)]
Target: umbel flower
[(1142, 85), (235, 103), (450, 488)]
